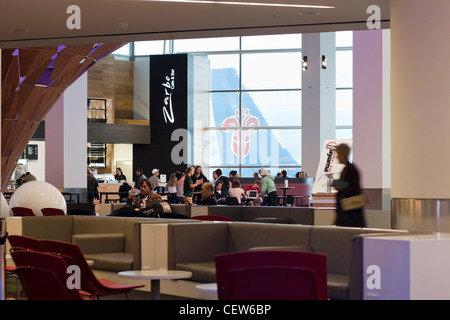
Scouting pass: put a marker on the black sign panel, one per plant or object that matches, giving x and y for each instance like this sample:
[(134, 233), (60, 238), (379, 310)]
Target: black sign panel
[(168, 113), (30, 152)]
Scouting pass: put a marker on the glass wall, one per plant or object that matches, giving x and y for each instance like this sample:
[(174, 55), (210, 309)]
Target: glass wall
[(256, 98), (344, 85)]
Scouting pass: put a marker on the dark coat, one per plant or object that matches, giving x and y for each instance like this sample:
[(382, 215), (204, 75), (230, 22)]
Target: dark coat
[(352, 218)]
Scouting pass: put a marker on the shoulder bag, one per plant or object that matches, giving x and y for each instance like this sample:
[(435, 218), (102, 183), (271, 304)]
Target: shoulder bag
[(356, 202)]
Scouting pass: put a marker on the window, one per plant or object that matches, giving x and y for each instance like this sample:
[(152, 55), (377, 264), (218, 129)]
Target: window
[(256, 98), (257, 94), (344, 85)]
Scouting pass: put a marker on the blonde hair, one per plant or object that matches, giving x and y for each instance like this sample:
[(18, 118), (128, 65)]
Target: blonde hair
[(172, 181)]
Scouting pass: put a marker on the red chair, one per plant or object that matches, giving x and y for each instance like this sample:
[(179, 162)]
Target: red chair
[(271, 275), (22, 212), (44, 276), (212, 218), (18, 242), (52, 212), (89, 282)]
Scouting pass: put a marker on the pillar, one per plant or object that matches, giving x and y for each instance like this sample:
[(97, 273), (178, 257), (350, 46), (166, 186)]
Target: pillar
[(420, 115), (66, 140), (318, 98), (371, 114)]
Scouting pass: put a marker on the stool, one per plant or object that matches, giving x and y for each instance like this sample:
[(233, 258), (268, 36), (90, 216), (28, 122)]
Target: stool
[(296, 198)]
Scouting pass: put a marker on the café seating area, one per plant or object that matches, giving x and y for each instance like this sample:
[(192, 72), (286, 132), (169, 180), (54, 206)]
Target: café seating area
[(117, 244)]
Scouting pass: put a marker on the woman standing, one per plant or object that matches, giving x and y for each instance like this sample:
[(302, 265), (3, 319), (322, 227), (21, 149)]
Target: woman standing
[(268, 187), (180, 186), (189, 185), (347, 186), (197, 176)]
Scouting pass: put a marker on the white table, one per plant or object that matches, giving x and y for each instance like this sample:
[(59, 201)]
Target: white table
[(207, 287), (155, 276)]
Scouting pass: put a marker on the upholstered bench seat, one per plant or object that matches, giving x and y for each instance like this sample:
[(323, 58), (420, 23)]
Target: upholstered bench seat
[(201, 271), (338, 286), (115, 261)]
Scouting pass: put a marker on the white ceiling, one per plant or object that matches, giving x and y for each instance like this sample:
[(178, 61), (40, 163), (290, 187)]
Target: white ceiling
[(43, 22)]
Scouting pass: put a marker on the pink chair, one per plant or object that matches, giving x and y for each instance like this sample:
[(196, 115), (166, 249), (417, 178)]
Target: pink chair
[(271, 275)]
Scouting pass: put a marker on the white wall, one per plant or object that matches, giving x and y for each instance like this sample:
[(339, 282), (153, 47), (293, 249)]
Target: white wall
[(141, 89)]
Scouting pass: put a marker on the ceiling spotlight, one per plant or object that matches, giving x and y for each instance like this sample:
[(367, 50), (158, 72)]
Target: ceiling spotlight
[(309, 13), (19, 29), (324, 62), (305, 63)]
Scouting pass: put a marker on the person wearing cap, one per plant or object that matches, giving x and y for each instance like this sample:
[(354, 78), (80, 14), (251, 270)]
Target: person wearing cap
[(154, 179), (268, 188)]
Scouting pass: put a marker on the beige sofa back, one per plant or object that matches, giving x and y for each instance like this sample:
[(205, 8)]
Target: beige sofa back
[(196, 242), (243, 236), (52, 227), (84, 230), (336, 243)]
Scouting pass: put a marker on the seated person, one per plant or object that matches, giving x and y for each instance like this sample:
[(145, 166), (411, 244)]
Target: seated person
[(255, 186), (124, 189), (208, 197), (236, 191), (140, 204), (219, 193)]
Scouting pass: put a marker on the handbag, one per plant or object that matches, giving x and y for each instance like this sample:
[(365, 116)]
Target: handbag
[(356, 202)]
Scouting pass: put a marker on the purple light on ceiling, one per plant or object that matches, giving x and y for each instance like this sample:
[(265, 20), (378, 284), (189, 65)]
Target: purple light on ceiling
[(46, 78)]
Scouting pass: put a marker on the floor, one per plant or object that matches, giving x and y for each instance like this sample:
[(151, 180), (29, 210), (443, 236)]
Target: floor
[(11, 292)]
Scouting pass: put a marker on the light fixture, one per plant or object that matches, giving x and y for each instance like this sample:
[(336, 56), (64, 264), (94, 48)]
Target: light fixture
[(305, 63), (249, 3), (324, 62)]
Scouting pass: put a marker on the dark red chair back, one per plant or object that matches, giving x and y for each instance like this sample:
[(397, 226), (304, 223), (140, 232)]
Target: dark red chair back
[(89, 282), (24, 243), (22, 212), (52, 212), (44, 276), (271, 275)]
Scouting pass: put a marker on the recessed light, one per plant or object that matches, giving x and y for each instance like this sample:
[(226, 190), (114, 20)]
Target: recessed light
[(19, 30), (308, 13), (249, 3)]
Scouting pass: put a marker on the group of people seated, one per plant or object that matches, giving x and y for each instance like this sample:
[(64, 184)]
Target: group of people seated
[(193, 186)]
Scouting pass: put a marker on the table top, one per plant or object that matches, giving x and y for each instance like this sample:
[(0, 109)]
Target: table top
[(207, 287), (155, 274), (286, 187)]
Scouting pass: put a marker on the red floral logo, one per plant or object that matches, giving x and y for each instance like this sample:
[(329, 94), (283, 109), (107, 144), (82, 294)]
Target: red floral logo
[(248, 120)]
